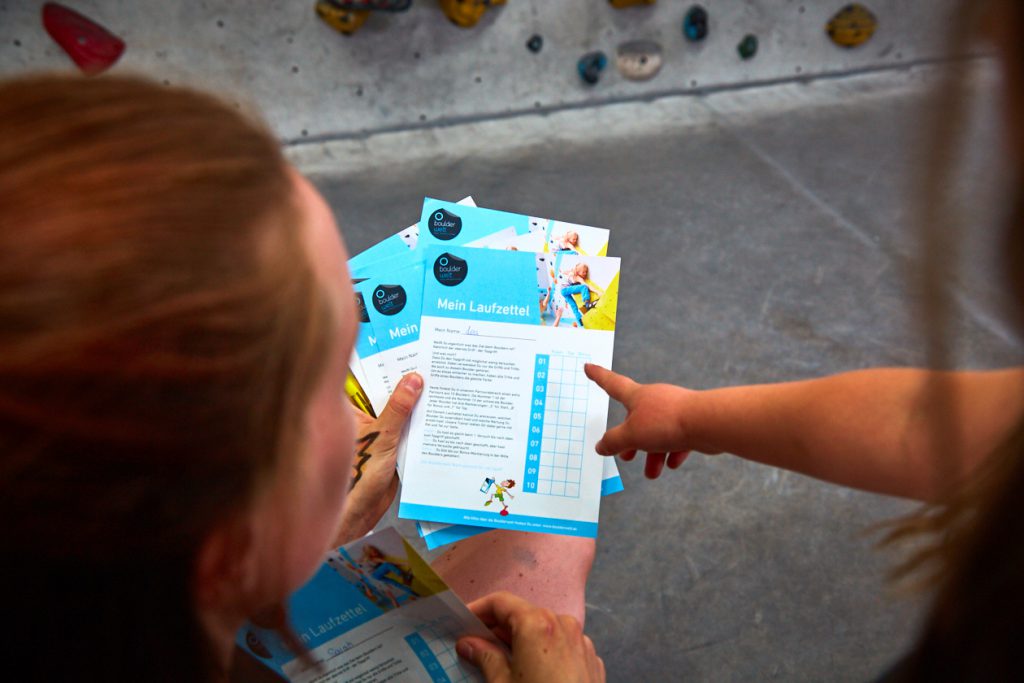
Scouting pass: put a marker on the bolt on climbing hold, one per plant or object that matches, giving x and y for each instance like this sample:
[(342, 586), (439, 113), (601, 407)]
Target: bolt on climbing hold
[(91, 47), (695, 24), (639, 60), (466, 13), (747, 47), (619, 4), (343, 21), (591, 65), (372, 5), (535, 43), (346, 16), (851, 26)]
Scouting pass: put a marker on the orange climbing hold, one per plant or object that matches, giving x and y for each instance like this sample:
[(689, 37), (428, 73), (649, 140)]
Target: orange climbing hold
[(620, 4), (342, 20), (851, 26), (466, 13)]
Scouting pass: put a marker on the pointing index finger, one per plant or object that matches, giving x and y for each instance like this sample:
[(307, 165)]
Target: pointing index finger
[(615, 385)]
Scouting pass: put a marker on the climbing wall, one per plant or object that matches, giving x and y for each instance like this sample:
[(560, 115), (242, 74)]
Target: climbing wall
[(416, 68)]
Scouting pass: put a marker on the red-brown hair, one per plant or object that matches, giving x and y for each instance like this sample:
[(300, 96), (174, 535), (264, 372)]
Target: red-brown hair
[(161, 332), (969, 541)]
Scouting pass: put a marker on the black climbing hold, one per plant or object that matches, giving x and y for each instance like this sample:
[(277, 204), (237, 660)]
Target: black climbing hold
[(535, 43), (591, 65), (695, 24), (747, 47)]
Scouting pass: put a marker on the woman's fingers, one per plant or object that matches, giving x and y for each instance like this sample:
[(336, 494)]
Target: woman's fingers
[(543, 646), (488, 657), (497, 608), (396, 413)]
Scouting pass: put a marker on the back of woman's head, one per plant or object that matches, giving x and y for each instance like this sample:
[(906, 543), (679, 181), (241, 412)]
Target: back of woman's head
[(160, 334)]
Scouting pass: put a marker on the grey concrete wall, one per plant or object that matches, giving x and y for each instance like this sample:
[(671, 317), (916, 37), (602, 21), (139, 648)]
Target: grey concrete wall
[(417, 69)]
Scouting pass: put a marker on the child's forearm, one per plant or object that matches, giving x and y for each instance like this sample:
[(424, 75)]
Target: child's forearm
[(868, 429)]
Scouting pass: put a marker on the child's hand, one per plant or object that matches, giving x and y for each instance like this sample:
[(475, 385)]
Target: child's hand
[(656, 421), (545, 646)]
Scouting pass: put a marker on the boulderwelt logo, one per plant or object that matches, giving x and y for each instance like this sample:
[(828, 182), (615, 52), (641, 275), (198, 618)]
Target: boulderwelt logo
[(389, 299), (444, 225), (364, 317), (450, 270)]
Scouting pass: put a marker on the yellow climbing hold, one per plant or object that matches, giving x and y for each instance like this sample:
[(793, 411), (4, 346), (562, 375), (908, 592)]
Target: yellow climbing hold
[(341, 20), (619, 4), (851, 26), (466, 13)]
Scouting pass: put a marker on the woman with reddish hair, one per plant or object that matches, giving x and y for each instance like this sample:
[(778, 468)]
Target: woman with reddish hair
[(175, 444)]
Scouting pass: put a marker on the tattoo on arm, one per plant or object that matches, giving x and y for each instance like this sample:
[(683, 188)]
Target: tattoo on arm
[(363, 456)]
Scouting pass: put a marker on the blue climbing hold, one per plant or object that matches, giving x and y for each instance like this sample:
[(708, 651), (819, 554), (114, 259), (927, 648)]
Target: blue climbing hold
[(591, 65), (695, 24)]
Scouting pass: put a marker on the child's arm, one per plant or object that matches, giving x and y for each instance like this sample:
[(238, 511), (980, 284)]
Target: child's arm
[(869, 429)]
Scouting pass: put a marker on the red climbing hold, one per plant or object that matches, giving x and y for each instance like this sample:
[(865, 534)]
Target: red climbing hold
[(93, 48)]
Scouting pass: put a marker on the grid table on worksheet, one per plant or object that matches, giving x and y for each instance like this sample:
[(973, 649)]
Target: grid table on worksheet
[(440, 636), (565, 415)]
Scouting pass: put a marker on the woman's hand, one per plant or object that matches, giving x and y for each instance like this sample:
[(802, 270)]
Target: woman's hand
[(545, 647), (374, 480), (659, 420)]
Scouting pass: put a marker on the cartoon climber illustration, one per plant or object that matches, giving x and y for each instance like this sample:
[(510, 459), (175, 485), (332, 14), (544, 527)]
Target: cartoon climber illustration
[(500, 491)]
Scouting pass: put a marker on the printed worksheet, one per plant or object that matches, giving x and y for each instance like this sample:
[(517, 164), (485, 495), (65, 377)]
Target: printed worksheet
[(437, 535), (395, 245), (390, 292), (451, 225), (360, 266), (504, 435), (374, 612)]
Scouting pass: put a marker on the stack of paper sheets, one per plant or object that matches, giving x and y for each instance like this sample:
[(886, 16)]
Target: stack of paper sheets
[(375, 611), (498, 312)]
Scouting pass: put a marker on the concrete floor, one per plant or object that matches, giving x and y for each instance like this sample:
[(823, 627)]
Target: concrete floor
[(755, 248)]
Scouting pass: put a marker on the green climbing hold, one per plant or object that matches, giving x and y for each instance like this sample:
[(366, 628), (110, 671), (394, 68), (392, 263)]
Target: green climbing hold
[(747, 47)]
